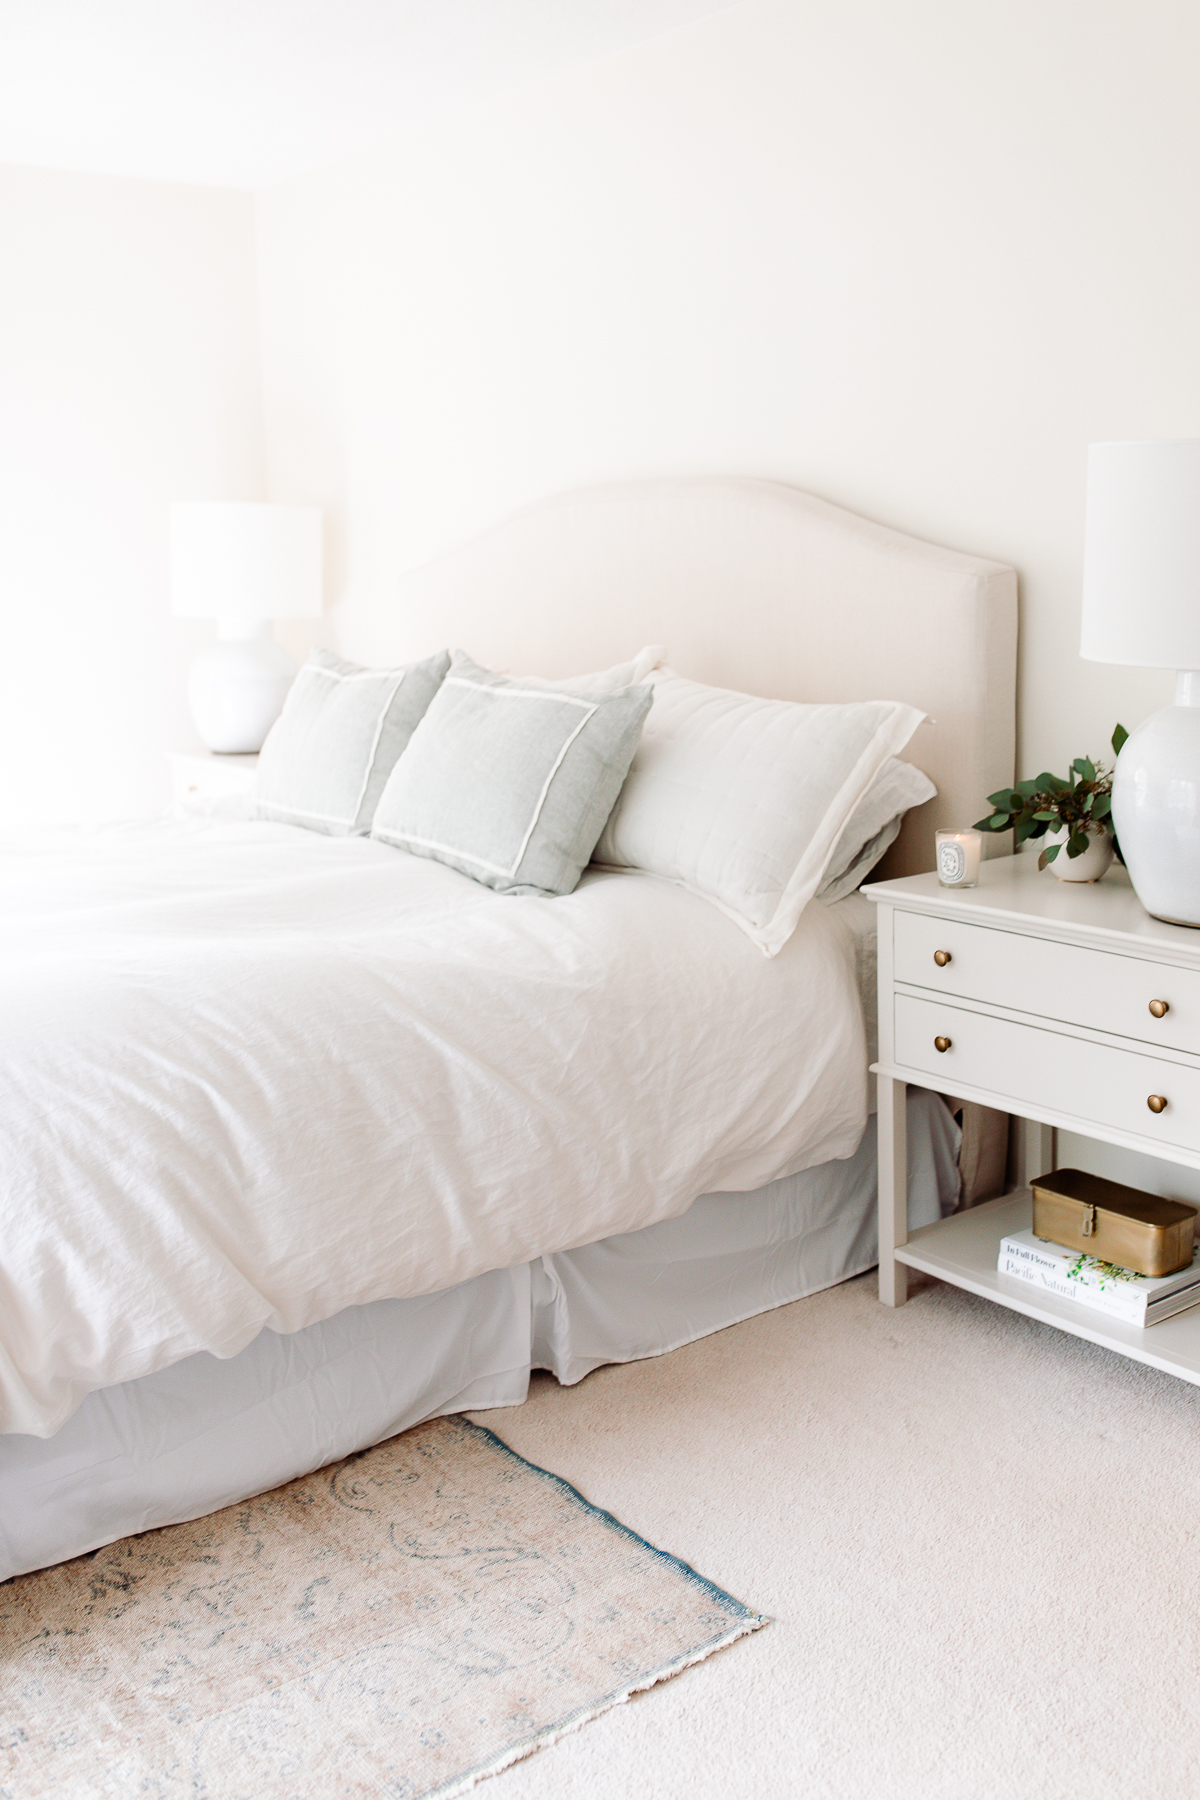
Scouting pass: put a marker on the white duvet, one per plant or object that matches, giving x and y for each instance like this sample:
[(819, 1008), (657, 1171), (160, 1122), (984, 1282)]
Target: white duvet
[(250, 1075)]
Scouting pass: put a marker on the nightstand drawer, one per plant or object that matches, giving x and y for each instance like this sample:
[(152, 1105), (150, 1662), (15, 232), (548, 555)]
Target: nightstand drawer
[(1098, 989), (1095, 1083)]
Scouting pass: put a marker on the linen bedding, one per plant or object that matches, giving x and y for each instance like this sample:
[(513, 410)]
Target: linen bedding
[(251, 1076)]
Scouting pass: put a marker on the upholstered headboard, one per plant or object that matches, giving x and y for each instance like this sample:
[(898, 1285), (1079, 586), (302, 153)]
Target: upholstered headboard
[(750, 585)]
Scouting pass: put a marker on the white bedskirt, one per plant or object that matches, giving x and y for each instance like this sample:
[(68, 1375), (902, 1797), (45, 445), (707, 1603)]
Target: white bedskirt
[(208, 1432)]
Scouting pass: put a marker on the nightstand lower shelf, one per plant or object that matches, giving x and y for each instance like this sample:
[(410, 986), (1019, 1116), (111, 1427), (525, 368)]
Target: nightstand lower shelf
[(963, 1250)]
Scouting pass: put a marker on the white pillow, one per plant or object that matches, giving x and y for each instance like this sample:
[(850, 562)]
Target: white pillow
[(626, 674), (873, 827), (742, 800), (830, 892)]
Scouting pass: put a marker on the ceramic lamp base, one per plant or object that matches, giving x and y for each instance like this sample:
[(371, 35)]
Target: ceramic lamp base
[(1156, 807), (236, 688)]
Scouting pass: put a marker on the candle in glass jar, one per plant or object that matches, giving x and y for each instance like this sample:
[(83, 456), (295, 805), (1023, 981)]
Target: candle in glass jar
[(958, 858)]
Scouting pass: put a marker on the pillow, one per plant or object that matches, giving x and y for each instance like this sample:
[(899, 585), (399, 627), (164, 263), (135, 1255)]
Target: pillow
[(853, 877), (330, 751), (742, 800), (511, 781), (626, 674), (873, 827)]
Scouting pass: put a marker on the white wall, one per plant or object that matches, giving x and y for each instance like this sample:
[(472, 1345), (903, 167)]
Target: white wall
[(912, 257), (129, 377)]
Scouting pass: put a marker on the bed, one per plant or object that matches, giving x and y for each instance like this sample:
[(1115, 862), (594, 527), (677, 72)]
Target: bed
[(509, 1190)]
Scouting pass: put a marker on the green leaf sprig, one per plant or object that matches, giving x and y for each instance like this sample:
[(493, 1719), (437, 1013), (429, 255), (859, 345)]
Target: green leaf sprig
[(1051, 802)]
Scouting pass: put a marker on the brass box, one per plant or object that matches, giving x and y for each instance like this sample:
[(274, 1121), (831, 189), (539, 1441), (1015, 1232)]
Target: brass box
[(1118, 1224)]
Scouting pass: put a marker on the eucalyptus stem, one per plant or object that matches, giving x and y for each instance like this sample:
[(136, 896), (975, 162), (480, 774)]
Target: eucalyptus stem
[(1079, 803)]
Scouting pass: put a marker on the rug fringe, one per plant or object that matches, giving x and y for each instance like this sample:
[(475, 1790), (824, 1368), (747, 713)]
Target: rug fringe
[(514, 1753)]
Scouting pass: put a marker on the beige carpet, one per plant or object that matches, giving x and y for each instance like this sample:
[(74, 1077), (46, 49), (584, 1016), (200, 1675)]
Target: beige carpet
[(397, 1625), (979, 1540)]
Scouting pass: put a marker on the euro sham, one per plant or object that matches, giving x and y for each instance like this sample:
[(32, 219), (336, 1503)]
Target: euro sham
[(742, 800)]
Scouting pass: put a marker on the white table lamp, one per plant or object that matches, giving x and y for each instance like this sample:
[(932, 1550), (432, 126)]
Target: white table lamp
[(1141, 605), (243, 565)]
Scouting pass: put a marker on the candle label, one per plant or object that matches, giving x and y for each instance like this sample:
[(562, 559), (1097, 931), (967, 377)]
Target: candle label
[(951, 862)]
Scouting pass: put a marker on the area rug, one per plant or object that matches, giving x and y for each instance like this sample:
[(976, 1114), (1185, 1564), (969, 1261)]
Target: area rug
[(400, 1624)]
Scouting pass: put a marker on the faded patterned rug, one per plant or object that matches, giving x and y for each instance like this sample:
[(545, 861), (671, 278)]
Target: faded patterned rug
[(400, 1624)]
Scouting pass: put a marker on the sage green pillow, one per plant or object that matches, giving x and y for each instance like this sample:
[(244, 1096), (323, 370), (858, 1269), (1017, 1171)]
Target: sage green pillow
[(509, 781), (331, 750)]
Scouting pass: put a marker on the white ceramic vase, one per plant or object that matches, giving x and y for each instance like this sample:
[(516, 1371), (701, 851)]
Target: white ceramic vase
[(1088, 867), (1156, 806)]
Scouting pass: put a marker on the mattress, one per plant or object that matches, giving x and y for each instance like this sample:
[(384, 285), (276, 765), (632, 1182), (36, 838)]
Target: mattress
[(251, 1076), (207, 1432)]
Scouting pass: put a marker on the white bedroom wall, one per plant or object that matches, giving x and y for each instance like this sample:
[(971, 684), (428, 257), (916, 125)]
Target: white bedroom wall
[(129, 377), (912, 257)]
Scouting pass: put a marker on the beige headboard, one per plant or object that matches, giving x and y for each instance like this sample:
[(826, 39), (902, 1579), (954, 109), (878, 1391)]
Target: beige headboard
[(750, 585)]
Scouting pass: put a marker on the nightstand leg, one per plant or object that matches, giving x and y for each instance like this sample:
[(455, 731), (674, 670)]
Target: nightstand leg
[(1037, 1150), (893, 1189)]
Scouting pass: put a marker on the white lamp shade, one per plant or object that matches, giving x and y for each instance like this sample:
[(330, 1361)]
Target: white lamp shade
[(245, 562), (1141, 570)]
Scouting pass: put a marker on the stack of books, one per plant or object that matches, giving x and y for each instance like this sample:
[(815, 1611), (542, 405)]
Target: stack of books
[(1123, 1294)]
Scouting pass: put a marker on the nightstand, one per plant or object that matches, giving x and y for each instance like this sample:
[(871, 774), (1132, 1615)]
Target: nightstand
[(200, 776), (1062, 1002)]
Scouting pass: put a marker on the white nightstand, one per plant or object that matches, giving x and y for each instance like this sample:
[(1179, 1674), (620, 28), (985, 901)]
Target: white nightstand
[(1064, 1003), (201, 776)]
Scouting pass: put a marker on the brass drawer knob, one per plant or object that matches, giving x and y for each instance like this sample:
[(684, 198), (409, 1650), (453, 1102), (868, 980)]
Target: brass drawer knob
[(1157, 1103), (943, 1044), (1160, 1008), (942, 957)]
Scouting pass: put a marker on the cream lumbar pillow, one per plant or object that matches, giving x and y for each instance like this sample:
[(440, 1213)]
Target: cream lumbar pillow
[(329, 753), (743, 800), (511, 780)]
